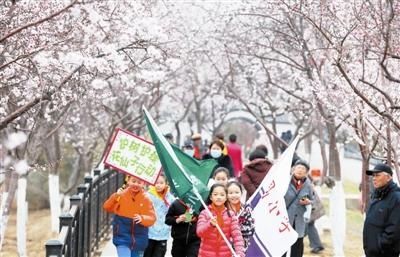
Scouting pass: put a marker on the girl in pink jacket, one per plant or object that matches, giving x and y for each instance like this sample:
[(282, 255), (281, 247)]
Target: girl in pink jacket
[(212, 243)]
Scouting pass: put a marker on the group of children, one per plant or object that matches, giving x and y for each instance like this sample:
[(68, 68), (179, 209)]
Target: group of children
[(143, 221)]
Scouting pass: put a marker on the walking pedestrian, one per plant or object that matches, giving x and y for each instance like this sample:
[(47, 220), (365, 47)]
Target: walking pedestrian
[(317, 212), (188, 149), (197, 146), (255, 171), (160, 232), (215, 152), (235, 152), (212, 243), (246, 221), (298, 200), (221, 176), (183, 222), (381, 233), (221, 137), (133, 215)]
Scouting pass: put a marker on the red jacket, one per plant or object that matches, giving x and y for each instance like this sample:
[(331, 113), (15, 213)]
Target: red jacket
[(212, 244), (235, 152)]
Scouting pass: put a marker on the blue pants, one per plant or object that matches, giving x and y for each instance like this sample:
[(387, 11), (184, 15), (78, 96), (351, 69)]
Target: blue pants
[(313, 236), (125, 251)]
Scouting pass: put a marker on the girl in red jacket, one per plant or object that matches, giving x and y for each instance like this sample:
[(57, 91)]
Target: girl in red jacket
[(212, 243), (133, 214)]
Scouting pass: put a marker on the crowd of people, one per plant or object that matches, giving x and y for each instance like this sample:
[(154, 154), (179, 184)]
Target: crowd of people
[(146, 217)]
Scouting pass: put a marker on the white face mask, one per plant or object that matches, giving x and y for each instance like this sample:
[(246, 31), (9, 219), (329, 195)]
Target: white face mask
[(189, 152), (215, 153)]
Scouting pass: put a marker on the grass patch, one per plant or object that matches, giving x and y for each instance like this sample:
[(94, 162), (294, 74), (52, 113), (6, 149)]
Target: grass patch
[(354, 224), (350, 187)]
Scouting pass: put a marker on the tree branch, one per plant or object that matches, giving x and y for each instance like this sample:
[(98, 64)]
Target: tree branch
[(365, 99), (45, 97), (15, 31)]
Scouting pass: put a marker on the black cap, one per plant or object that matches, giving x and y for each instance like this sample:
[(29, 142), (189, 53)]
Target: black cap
[(188, 145), (303, 163), (380, 167), (169, 136), (257, 154)]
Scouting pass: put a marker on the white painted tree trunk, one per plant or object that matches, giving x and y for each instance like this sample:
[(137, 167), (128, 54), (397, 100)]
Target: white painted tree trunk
[(54, 197), (22, 216), (337, 210), (3, 220)]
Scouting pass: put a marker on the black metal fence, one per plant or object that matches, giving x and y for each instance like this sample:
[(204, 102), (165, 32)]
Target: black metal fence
[(85, 225)]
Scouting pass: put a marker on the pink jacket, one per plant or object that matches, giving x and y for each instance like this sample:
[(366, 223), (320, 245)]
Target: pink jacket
[(212, 244)]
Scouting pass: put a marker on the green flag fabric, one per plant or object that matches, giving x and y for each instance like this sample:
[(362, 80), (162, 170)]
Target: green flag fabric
[(184, 173)]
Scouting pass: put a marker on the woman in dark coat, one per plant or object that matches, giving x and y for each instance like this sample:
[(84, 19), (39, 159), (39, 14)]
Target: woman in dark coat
[(215, 152), (254, 172)]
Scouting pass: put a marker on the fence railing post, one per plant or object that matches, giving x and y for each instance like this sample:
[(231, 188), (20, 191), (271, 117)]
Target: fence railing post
[(66, 220), (97, 208), (83, 222), (82, 228), (76, 237), (88, 212), (53, 248)]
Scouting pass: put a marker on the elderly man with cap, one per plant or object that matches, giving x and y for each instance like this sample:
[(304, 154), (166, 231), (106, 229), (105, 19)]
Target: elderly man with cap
[(381, 234)]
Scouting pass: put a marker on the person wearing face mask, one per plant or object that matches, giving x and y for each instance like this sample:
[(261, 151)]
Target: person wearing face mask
[(215, 152), (188, 149), (133, 215)]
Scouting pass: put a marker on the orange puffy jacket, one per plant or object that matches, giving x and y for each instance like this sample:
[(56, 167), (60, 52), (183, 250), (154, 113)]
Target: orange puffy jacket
[(128, 204)]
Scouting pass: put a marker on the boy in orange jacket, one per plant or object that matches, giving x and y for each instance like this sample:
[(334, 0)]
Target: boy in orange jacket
[(133, 214)]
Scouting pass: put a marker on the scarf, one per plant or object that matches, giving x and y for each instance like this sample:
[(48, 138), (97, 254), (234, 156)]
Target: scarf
[(161, 195), (236, 207), (219, 210), (298, 183)]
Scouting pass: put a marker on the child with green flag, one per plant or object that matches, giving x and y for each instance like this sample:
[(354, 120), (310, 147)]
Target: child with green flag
[(183, 221)]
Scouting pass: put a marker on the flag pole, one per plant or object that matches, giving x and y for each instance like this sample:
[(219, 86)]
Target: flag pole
[(195, 191), (216, 224)]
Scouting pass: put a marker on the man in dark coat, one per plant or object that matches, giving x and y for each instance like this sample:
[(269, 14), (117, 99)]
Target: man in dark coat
[(381, 234)]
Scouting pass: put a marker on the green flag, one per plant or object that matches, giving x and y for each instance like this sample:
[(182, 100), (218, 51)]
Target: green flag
[(184, 173)]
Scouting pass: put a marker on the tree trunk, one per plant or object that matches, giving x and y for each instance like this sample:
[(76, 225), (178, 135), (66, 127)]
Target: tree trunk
[(365, 157), (277, 143), (365, 185), (323, 149), (8, 197), (54, 198), (337, 213), (178, 133), (308, 146), (53, 155), (337, 199), (22, 216), (334, 160)]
